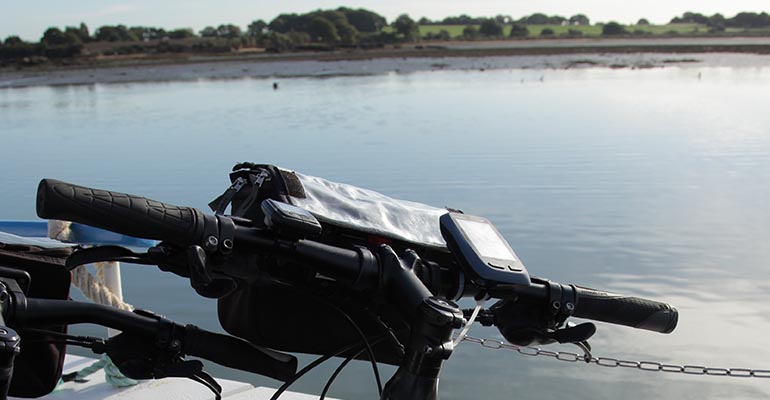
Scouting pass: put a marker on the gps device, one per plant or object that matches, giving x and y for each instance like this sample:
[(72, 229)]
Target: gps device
[(482, 250), (290, 220)]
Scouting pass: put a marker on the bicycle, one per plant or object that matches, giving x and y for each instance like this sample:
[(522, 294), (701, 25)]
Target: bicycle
[(397, 299)]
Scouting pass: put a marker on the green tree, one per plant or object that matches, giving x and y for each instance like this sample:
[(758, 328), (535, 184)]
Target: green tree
[(716, 28), (256, 28), (749, 20), (491, 28), (15, 48), (547, 32), (115, 33), (229, 31), (542, 19), (643, 21), (85, 36), (613, 28), (13, 40), (182, 33), (53, 37), (208, 31), (279, 42), (579, 19), (81, 32), (460, 20), (536, 19), (348, 33), (73, 31), (364, 20), (148, 32), (518, 30), (404, 25), (53, 44), (717, 20), (574, 32), (285, 23), (690, 18), (470, 32), (322, 30), (503, 19)]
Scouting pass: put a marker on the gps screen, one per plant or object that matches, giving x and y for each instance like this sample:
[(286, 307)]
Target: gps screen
[(485, 240)]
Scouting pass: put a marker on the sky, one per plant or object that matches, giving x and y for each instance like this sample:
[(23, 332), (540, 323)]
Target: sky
[(30, 18)]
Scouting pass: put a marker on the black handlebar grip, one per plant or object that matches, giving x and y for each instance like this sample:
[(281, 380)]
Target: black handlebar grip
[(237, 353), (119, 212), (630, 311)]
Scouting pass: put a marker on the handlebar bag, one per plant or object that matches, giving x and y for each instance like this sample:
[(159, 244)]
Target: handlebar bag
[(288, 319), (335, 205), (38, 366)]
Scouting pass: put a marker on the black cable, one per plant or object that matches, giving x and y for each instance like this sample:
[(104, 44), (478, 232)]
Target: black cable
[(370, 352), (60, 334), (318, 362), (337, 372), (368, 346), (391, 333), (299, 374), (58, 338)]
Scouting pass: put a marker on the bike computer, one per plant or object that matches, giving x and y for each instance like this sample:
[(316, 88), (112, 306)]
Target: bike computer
[(482, 250)]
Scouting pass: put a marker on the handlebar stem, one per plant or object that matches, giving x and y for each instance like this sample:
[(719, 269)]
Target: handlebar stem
[(430, 345), (432, 320)]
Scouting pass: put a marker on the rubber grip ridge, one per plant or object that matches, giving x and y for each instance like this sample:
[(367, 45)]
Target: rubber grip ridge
[(629, 311), (237, 353), (119, 212)]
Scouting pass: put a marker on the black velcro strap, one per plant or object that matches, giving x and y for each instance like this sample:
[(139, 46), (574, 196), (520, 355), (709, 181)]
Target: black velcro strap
[(293, 184)]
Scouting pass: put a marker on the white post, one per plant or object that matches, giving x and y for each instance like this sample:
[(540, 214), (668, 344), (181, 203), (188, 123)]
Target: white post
[(60, 230)]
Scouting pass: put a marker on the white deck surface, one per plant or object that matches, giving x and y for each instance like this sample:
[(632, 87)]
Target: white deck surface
[(166, 389)]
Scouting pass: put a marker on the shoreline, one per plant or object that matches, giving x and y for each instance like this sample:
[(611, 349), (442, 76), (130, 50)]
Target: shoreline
[(530, 54)]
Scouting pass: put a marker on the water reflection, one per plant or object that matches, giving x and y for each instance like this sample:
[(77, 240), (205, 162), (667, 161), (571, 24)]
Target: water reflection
[(647, 182)]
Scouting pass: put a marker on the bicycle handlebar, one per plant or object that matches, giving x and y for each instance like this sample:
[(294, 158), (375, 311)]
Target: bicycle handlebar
[(142, 217), (622, 310), (228, 351), (237, 353), (119, 212)]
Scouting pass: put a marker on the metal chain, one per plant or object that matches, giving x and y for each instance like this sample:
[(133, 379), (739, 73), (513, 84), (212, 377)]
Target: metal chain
[(615, 362)]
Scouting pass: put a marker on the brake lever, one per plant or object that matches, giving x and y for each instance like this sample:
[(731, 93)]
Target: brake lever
[(573, 333), (201, 278), (207, 380), (525, 323), (192, 263), (161, 358), (191, 369), (92, 255)]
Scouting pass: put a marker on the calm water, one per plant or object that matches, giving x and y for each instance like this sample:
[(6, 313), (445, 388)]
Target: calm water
[(652, 183)]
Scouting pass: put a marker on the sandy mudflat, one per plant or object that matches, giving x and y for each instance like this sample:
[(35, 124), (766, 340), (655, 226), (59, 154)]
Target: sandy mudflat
[(554, 54)]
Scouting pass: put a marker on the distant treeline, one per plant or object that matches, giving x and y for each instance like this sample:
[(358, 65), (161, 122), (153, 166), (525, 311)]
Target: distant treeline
[(324, 30), (534, 19), (745, 20)]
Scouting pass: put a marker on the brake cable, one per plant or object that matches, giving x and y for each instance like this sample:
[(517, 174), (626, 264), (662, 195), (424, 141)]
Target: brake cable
[(319, 360), (94, 343), (532, 351), (364, 340), (367, 345), (337, 371)]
